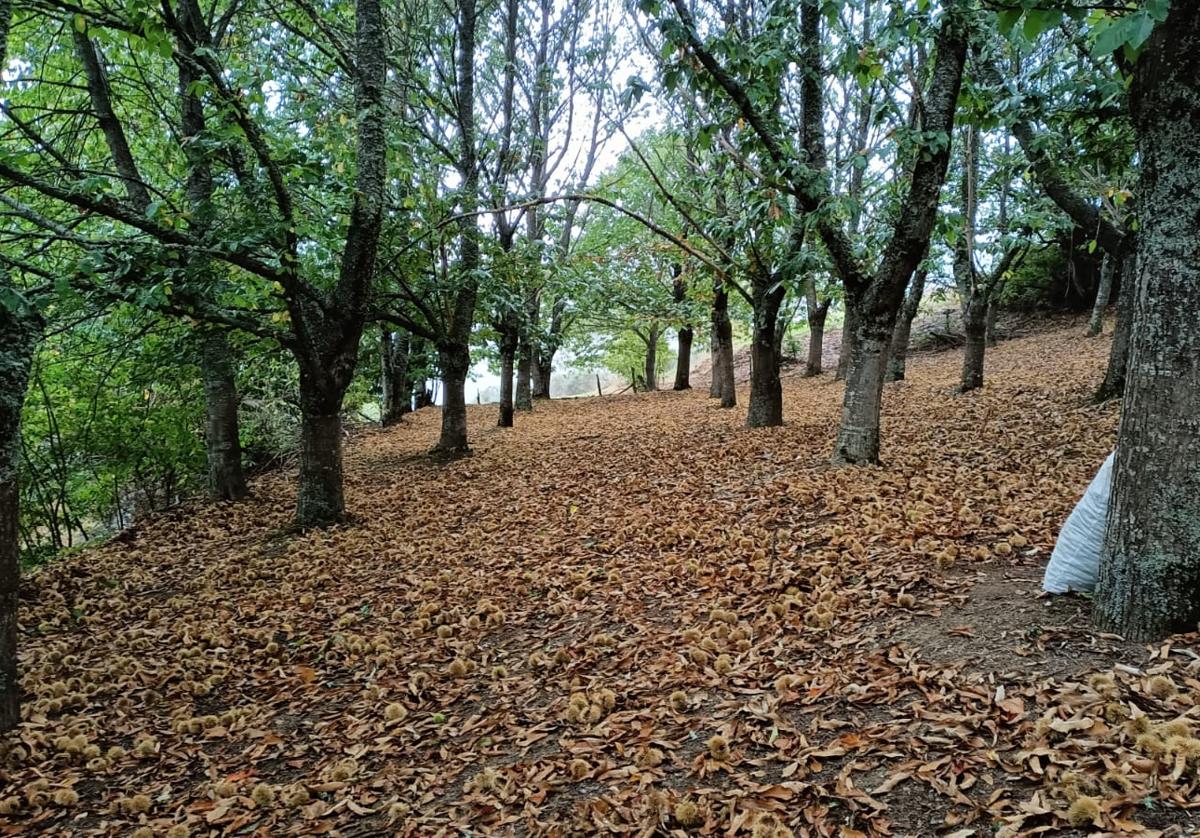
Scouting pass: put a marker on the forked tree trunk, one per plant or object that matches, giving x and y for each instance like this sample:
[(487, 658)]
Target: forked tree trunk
[(846, 352), (858, 436), (975, 329), (19, 336), (683, 364), (1113, 385), (901, 335), (223, 449), (766, 393), (816, 339), (1149, 584), (454, 360), (1103, 292)]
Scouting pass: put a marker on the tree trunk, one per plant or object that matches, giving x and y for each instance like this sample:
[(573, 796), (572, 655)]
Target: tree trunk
[(506, 390), (846, 352), (544, 369), (226, 480), (766, 393), (683, 363), (19, 336), (1103, 291), (858, 436), (651, 369), (1149, 584), (722, 367), (454, 360), (523, 399), (902, 334), (397, 384), (992, 310), (509, 338), (975, 328), (321, 500), (816, 339), (1114, 376)]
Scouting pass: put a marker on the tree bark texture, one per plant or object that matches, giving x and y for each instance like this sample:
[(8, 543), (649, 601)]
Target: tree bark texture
[(226, 479), (902, 334), (1149, 583)]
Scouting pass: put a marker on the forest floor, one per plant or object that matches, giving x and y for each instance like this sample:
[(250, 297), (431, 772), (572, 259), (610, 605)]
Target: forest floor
[(627, 614)]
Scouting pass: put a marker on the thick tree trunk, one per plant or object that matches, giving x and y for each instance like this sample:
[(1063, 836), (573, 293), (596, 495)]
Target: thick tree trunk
[(1103, 292), (523, 399), (651, 367), (816, 339), (683, 363), (902, 334), (975, 328), (858, 436), (321, 500), (1149, 583), (454, 360), (1118, 355), (766, 393), (722, 367), (19, 336), (226, 480), (846, 352)]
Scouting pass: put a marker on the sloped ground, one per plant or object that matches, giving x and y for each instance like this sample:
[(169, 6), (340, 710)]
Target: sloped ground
[(626, 615)]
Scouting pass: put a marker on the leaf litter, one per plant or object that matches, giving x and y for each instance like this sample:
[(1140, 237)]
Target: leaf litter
[(626, 615)]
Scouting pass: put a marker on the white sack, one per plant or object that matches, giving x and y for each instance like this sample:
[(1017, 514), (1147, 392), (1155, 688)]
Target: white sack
[(1075, 562)]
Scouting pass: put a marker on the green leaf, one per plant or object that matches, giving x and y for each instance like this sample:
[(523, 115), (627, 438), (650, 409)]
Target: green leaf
[(1091, 246), (1110, 38), (1007, 19), (80, 23), (1038, 21)]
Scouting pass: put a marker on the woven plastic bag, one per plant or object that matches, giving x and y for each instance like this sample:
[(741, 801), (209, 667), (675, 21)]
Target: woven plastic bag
[(1075, 563)]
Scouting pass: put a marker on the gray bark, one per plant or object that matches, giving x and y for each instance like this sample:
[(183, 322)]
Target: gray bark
[(902, 334), (1149, 583), (397, 381), (223, 448), (523, 396), (766, 392), (1103, 292), (1113, 384), (816, 338), (454, 349), (651, 366), (327, 352), (875, 300), (454, 361), (846, 350), (722, 333), (20, 332)]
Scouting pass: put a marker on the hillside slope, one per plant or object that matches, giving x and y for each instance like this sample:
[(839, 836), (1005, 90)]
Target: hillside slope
[(626, 614)]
